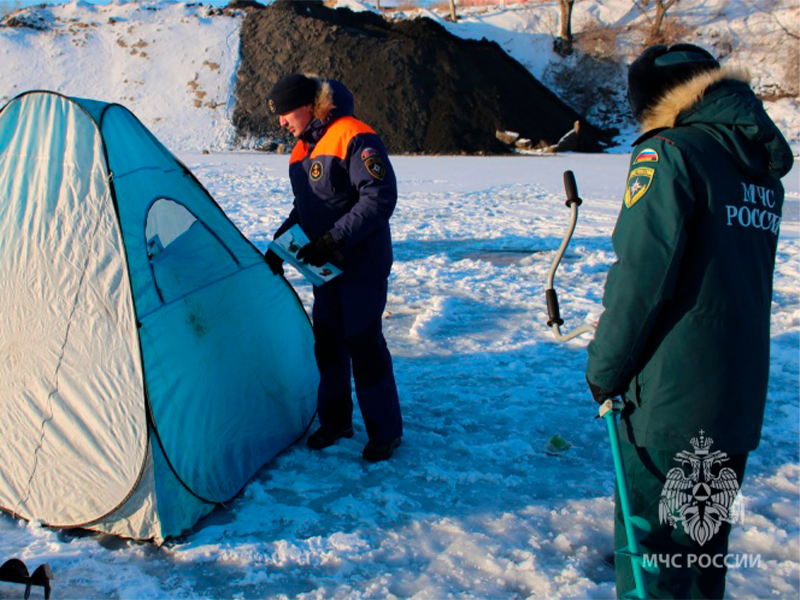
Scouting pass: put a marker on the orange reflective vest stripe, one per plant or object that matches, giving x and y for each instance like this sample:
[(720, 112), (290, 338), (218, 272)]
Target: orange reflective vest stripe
[(334, 142)]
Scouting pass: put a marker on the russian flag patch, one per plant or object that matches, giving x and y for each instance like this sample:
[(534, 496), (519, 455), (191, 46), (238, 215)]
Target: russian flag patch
[(646, 155)]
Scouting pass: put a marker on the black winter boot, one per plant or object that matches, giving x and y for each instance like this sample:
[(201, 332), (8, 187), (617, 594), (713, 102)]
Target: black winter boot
[(378, 451), (327, 436)]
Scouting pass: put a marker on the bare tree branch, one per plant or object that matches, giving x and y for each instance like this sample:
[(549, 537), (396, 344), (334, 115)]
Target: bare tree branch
[(642, 6), (783, 27), (661, 6)]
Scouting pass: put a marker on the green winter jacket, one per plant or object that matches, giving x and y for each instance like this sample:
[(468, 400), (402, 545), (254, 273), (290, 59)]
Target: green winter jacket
[(685, 332)]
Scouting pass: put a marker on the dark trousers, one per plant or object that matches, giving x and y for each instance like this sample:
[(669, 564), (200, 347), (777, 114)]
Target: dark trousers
[(686, 573), (348, 330)]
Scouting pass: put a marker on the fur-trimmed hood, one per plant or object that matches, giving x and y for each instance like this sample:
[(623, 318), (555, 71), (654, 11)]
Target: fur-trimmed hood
[(332, 102), (722, 103), (665, 112)]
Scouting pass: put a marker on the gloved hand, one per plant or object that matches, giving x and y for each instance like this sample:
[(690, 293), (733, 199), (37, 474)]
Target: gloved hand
[(599, 394), (320, 251), (275, 262)]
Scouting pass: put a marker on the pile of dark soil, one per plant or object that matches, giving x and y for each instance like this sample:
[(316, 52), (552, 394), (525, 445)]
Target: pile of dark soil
[(421, 88)]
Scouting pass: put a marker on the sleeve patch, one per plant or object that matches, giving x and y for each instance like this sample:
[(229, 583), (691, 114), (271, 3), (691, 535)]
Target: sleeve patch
[(646, 155), (368, 153), (375, 167), (639, 181)]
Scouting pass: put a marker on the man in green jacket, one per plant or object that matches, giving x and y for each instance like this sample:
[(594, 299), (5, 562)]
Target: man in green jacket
[(684, 337)]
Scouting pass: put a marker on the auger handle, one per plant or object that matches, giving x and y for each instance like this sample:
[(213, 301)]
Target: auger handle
[(554, 314), (571, 187), (552, 308)]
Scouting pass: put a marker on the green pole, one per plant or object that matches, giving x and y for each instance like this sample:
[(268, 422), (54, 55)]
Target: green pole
[(608, 412)]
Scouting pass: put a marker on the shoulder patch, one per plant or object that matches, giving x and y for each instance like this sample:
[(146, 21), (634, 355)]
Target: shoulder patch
[(375, 166), (639, 181), (368, 153), (646, 155)]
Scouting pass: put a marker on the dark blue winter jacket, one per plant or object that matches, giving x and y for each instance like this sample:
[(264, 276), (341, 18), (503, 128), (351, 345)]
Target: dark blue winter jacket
[(344, 183)]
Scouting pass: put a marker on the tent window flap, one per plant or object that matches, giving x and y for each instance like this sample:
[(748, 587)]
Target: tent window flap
[(183, 253)]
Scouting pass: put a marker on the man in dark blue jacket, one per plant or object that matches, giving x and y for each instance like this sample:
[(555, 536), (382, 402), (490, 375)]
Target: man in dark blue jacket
[(344, 194)]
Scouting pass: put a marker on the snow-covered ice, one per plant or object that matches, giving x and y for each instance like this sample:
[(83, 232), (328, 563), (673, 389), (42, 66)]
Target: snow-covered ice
[(471, 505)]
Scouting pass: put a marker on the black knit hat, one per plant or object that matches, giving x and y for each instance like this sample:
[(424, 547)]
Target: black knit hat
[(292, 91), (659, 69)]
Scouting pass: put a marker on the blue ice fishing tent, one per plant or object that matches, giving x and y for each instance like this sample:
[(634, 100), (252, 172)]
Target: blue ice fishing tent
[(150, 362)]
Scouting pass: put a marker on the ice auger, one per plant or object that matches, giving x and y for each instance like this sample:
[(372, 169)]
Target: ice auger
[(635, 527), (15, 571)]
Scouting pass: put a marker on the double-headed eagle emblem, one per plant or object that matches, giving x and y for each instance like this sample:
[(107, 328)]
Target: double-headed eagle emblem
[(703, 499)]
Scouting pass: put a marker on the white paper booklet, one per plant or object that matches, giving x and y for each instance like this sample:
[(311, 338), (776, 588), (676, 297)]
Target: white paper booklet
[(287, 245)]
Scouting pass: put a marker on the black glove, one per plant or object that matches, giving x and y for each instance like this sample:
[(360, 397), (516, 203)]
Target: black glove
[(599, 394), (320, 251), (275, 262)]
